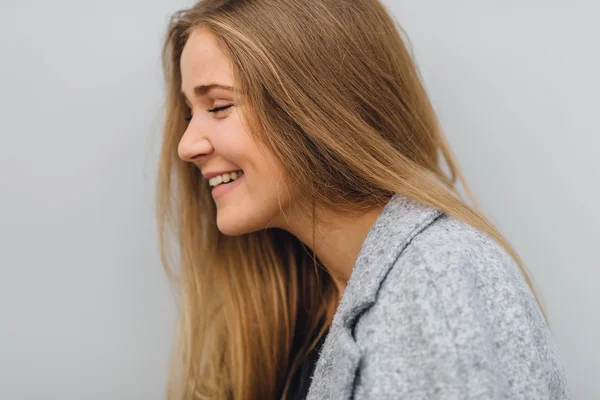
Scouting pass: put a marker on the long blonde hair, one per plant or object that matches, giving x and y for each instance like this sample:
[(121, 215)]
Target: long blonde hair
[(332, 92)]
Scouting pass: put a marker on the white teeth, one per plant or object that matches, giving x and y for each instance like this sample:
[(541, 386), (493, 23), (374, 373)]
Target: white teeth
[(224, 178)]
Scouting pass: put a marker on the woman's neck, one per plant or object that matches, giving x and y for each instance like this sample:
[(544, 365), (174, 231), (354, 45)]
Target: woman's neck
[(337, 239)]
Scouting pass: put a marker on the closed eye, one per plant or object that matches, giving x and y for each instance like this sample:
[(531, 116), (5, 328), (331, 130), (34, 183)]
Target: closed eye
[(214, 110)]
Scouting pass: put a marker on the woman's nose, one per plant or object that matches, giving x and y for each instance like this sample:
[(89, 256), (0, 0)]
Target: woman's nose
[(193, 145)]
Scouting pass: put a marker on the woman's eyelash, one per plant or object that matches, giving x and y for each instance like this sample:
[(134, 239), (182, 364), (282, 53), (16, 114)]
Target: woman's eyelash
[(217, 109), (214, 110)]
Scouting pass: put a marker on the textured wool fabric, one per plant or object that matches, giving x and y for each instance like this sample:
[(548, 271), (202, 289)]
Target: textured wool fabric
[(435, 309)]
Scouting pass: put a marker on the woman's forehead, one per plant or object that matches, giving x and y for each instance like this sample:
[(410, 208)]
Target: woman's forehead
[(203, 65)]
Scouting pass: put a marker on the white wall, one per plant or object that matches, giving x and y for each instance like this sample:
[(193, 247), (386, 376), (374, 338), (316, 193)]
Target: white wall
[(85, 309)]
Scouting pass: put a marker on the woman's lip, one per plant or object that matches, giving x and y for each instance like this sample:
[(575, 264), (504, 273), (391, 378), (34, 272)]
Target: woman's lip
[(212, 174), (221, 189)]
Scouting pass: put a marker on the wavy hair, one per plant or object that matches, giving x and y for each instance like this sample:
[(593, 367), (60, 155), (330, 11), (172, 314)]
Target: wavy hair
[(331, 90)]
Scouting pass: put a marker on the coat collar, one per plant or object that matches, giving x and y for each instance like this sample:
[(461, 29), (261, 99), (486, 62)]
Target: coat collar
[(399, 222)]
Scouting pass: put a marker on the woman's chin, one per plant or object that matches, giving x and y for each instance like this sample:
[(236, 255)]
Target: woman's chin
[(231, 226), (242, 218), (229, 230)]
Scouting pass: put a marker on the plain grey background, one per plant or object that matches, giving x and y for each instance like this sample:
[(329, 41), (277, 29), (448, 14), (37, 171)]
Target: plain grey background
[(86, 311)]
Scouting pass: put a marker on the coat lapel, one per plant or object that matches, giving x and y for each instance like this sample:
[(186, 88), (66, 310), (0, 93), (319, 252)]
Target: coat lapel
[(400, 220)]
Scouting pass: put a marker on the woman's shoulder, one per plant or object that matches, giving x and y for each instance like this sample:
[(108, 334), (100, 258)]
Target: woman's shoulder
[(448, 249), (468, 275), (455, 302)]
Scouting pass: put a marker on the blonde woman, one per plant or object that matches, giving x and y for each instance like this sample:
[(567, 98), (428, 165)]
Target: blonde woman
[(323, 251)]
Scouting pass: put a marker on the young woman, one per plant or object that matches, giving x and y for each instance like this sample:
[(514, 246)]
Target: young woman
[(323, 251)]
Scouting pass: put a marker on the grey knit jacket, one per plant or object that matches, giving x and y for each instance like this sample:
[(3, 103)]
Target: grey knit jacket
[(434, 309)]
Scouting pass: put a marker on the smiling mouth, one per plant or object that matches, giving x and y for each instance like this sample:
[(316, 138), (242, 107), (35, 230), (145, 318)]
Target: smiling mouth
[(225, 178)]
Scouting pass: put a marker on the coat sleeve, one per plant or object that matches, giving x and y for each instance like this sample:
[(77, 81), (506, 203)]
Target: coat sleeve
[(455, 321)]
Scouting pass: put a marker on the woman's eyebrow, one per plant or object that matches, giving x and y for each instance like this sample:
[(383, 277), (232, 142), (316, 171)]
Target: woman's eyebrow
[(204, 89)]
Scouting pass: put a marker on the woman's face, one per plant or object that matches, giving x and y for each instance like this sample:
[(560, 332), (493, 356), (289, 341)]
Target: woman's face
[(217, 142)]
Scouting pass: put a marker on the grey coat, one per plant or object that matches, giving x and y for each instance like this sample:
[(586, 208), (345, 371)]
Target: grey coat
[(434, 309)]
